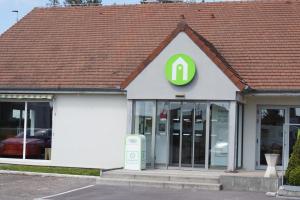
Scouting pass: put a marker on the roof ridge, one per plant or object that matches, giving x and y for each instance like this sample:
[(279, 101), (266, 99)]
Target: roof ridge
[(166, 4)]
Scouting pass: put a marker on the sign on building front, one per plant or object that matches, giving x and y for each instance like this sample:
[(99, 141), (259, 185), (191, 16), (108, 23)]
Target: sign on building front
[(180, 69)]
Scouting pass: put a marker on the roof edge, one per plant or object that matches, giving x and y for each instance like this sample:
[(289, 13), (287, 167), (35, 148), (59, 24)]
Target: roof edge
[(62, 90), (268, 92), (202, 43)]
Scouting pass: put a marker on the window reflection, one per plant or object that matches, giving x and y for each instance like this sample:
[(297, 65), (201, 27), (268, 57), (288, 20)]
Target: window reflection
[(219, 134), (272, 121), (161, 137), (38, 133), (144, 111), (294, 128), (11, 129)]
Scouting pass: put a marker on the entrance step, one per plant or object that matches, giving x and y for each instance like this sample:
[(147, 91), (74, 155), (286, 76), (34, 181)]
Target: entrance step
[(166, 180)]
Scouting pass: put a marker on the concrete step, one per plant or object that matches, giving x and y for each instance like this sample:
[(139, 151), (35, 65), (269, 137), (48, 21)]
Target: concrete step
[(162, 177), (159, 184), (178, 177)]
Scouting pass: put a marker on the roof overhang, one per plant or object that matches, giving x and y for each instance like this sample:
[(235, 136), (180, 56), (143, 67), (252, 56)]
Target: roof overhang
[(291, 93), (61, 91)]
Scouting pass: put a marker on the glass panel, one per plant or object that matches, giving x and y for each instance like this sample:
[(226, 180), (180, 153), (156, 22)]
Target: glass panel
[(294, 129), (187, 134), (199, 137), (175, 119), (239, 135), (11, 129), (219, 121), (39, 132), (272, 121), (144, 111), (161, 137)]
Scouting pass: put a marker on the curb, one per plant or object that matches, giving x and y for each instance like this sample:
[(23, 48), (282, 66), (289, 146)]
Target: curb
[(47, 174)]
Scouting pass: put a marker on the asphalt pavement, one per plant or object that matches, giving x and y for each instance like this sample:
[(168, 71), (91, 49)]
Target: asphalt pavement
[(25, 187)]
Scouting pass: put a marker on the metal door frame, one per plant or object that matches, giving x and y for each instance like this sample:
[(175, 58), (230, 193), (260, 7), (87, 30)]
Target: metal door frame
[(258, 133), (206, 147)]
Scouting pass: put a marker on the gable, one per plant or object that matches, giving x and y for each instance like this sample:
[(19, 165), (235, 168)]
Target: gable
[(210, 82)]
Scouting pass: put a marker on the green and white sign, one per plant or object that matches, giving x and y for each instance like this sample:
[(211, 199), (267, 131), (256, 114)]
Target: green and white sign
[(180, 69)]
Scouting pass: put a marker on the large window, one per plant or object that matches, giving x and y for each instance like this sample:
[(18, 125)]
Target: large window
[(184, 133), (294, 128), (271, 133), (161, 135), (219, 121), (31, 140), (143, 122)]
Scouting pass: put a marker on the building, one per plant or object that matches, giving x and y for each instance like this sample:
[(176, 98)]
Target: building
[(210, 85)]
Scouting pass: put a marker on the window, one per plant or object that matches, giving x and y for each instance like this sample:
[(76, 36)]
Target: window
[(38, 134), (144, 112), (219, 128), (294, 128)]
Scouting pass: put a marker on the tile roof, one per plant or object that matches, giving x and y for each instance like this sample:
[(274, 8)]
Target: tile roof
[(99, 47)]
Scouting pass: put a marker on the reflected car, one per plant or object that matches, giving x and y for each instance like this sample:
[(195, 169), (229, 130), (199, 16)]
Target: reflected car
[(35, 144)]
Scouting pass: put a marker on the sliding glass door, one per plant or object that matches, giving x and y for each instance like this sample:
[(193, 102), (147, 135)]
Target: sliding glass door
[(183, 133), (175, 134)]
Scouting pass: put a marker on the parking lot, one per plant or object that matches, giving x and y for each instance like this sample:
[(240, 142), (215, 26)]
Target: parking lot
[(24, 187)]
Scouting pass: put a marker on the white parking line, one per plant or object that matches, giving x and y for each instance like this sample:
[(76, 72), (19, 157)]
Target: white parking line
[(69, 191)]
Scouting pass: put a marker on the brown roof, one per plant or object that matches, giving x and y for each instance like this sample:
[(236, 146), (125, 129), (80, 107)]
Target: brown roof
[(99, 47), (202, 43)]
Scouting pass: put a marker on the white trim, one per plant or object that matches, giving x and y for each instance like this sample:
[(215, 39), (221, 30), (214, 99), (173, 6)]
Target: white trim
[(207, 134), (25, 130), (287, 94), (61, 92), (232, 136), (129, 117)]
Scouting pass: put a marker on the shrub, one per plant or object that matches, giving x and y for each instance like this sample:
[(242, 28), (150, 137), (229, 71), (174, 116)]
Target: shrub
[(294, 176), (294, 161)]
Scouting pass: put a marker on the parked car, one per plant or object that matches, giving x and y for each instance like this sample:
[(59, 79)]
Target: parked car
[(35, 144)]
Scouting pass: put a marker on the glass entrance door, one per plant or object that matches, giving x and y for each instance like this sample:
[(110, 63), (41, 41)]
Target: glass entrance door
[(199, 135), (271, 134), (175, 134), (187, 124), (187, 134)]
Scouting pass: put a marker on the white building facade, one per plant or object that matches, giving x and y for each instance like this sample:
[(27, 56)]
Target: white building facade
[(207, 123)]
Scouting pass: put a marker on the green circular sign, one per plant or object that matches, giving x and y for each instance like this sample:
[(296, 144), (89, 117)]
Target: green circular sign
[(180, 69)]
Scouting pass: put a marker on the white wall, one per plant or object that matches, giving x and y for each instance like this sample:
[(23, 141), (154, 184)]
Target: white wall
[(89, 130), (210, 83), (250, 126)]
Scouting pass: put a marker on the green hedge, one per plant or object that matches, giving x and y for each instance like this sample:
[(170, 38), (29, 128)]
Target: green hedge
[(292, 174)]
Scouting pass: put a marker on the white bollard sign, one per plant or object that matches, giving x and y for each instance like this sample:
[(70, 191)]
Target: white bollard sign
[(135, 152)]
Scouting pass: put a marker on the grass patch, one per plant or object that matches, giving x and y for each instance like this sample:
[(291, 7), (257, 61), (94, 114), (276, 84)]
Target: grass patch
[(50, 169)]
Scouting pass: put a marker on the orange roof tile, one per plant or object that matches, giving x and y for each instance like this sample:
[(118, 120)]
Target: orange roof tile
[(99, 47)]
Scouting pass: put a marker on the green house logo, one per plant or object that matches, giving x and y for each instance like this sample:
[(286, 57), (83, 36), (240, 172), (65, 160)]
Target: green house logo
[(180, 69)]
